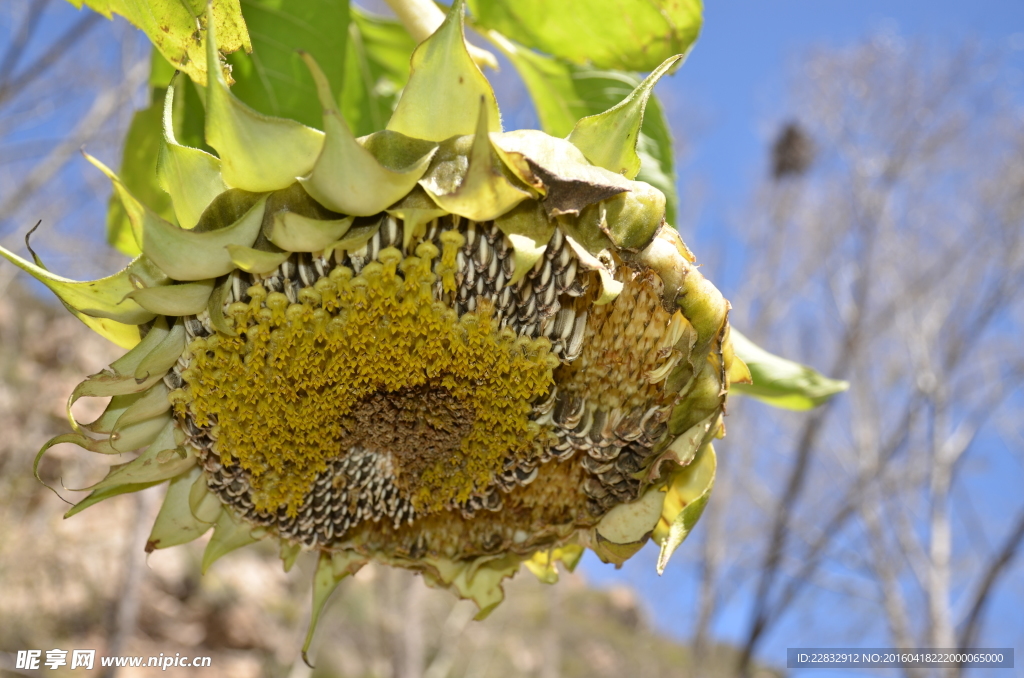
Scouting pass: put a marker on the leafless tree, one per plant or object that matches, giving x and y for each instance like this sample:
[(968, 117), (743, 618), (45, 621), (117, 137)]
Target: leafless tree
[(68, 79), (895, 261)]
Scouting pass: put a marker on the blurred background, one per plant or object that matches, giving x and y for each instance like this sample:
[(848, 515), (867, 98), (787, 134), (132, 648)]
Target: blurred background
[(851, 175)]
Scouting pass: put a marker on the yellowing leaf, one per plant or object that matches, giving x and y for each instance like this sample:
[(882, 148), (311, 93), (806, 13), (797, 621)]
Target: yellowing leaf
[(687, 495), (173, 27)]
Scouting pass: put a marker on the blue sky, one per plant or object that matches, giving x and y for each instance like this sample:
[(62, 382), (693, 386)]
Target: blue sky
[(732, 89), (735, 74)]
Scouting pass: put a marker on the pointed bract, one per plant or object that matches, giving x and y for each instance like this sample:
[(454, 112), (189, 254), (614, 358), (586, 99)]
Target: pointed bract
[(151, 466), (685, 500), (610, 287), (204, 504), (416, 210), (229, 534), (137, 435), (215, 306), (156, 363), (119, 378), (609, 139), (484, 193), (147, 405), (257, 152), (174, 300), (103, 298), (529, 229), (102, 495), (347, 178), (289, 554), (445, 87), (181, 254), (295, 233), (354, 239), (117, 406), (254, 260), (134, 436), (189, 175), (324, 584), (175, 524), (124, 335), (684, 448)]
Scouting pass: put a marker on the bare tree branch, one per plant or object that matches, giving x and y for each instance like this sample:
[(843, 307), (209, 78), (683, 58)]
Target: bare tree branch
[(104, 106), (17, 47), (996, 568), (9, 88), (904, 229)]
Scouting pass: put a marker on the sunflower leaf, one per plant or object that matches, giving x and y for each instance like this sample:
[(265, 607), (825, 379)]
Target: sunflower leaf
[(781, 382), (376, 71), (171, 26), (273, 79), (619, 34)]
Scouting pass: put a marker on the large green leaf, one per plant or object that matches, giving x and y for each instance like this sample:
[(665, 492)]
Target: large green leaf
[(273, 79), (780, 382), (620, 34), (551, 86), (563, 93), (171, 27), (376, 70)]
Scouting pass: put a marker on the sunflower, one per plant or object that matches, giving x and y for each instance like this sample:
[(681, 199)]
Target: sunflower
[(442, 346)]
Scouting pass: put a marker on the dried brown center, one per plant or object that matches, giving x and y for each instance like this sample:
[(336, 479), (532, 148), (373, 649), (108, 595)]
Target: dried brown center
[(418, 426)]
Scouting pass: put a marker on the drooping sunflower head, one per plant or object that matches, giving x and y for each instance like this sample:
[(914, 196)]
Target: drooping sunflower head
[(442, 347)]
